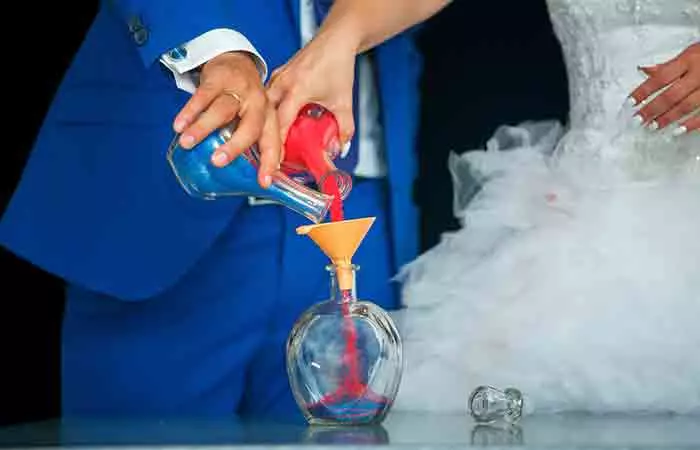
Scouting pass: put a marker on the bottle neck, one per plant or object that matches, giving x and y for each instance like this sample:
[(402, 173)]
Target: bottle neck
[(342, 279)]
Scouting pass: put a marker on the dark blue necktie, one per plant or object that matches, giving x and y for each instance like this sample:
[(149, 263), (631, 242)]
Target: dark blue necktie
[(348, 164)]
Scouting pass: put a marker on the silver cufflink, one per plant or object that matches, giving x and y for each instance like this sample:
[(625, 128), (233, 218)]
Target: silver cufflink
[(177, 54)]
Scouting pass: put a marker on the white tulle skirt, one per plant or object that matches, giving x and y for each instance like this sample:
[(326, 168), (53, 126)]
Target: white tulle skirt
[(575, 277)]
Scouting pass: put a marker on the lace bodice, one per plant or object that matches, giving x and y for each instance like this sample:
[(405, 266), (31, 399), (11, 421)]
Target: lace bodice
[(604, 41)]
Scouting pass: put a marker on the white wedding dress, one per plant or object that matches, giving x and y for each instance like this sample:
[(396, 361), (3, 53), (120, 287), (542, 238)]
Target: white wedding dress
[(576, 274)]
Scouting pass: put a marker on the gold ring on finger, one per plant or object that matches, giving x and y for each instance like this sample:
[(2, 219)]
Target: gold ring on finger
[(234, 95)]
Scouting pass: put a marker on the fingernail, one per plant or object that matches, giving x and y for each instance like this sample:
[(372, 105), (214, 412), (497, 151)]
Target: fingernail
[(187, 141), (179, 125), (267, 180), (638, 120), (346, 149), (219, 159), (631, 102), (653, 125), (680, 131)]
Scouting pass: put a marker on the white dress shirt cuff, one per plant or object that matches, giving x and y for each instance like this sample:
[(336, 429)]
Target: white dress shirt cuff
[(182, 61)]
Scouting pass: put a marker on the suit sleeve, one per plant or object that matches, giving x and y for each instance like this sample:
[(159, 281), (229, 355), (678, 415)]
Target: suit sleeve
[(185, 59), (159, 26)]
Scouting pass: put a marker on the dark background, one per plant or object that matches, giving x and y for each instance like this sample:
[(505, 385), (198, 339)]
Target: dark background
[(486, 63)]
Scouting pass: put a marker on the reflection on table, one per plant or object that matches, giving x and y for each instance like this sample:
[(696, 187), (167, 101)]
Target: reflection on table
[(398, 431)]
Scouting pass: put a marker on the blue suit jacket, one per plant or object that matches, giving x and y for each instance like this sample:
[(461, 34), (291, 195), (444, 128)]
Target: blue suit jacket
[(98, 205)]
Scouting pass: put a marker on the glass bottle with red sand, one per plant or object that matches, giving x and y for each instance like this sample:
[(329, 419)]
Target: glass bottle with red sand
[(311, 146), (344, 355)]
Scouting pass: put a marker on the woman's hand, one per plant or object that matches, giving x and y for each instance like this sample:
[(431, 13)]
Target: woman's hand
[(230, 87), (681, 78), (322, 72)]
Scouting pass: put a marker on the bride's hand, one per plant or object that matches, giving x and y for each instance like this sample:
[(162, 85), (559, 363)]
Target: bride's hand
[(322, 72), (682, 97)]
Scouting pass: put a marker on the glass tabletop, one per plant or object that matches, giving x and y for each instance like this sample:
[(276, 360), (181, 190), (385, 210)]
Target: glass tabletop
[(422, 431)]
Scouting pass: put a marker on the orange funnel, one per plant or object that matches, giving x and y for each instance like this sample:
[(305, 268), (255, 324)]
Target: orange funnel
[(339, 241)]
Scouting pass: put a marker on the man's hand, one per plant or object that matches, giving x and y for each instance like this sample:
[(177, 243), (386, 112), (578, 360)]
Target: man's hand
[(230, 87)]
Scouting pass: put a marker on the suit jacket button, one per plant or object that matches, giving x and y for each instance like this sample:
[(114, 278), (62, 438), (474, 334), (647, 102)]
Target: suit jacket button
[(139, 32), (140, 36)]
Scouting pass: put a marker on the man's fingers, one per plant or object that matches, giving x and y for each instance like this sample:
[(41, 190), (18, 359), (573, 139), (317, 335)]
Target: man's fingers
[(247, 133), (200, 101), (221, 111)]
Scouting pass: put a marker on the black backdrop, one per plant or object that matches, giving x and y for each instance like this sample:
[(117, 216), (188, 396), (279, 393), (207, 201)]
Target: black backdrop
[(486, 63), (37, 49)]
